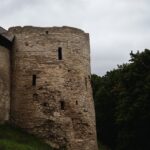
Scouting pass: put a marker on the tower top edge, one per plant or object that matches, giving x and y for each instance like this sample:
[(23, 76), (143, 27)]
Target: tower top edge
[(55, 29)]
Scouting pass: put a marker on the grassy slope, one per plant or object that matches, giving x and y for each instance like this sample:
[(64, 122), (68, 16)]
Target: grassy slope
[(15, 139)]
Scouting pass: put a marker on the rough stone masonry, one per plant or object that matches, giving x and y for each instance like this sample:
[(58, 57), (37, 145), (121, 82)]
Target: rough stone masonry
[(45, 85)]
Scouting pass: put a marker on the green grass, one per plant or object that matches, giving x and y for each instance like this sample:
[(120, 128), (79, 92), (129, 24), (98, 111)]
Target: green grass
[(15, 139), (12, 138)]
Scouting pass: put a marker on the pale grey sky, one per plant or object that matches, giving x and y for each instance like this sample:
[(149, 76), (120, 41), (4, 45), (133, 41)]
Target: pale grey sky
[(116, 26)]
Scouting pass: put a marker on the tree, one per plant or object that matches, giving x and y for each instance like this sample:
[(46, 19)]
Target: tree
[(122, 103)]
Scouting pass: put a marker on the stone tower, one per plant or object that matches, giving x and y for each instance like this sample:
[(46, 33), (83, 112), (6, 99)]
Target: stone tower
[(51, 93), (5, 47)]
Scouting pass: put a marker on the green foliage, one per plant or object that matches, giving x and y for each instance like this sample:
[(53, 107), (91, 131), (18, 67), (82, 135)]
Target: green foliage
[(122, 99), (102, 147), (12, 138)]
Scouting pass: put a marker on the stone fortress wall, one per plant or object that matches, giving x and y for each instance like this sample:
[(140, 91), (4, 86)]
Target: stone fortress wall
[(4, 84), (51, 93)]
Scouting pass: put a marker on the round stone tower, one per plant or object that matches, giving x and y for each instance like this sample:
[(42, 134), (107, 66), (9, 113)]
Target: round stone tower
[(51, 86)]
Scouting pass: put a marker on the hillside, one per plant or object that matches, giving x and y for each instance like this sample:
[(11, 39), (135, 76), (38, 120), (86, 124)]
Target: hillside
[(15, 139)]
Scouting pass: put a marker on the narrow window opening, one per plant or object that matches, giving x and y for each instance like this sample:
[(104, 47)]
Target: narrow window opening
[(46, 32), (59, 53), (34, 80), (76, 102), (62, 105), (86, 83), (35, 96), (26, 43), (45, 104), (90, 80)]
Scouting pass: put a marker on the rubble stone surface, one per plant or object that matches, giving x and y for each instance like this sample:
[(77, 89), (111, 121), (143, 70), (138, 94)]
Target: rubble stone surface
[(51, 94)]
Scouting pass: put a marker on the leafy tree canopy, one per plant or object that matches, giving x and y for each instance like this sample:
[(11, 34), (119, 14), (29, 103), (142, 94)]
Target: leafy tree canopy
[(122, 102)]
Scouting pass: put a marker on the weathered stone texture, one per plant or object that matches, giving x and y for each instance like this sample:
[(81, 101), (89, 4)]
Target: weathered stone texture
[(4, 84), (51, 94)]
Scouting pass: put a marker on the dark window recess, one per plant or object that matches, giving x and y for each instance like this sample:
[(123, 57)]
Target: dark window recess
[(26, 43), (45, 104), (90, 79), (86, 83), (34, 80), (60, 53), (76, 102), (62, 105), (35, 96), (46, 32)]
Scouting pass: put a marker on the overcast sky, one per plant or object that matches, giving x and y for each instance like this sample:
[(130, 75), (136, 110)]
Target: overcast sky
[(116, 26)]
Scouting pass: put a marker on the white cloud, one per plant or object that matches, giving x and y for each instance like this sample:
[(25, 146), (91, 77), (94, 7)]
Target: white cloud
[(116, 26)]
